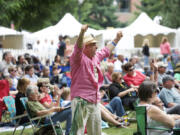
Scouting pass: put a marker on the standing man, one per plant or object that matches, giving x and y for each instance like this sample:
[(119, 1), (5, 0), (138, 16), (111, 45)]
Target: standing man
[(61, 48), (86, 81)]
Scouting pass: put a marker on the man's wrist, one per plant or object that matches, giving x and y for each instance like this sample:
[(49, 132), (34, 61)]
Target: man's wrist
[(113, 43)]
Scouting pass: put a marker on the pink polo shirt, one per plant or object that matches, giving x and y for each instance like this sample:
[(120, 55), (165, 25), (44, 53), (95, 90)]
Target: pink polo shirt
[(165, 48), (83, 83)]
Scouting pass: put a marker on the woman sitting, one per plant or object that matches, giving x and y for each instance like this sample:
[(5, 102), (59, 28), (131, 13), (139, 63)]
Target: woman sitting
[(120, 89), (21, 87), (155, 116)]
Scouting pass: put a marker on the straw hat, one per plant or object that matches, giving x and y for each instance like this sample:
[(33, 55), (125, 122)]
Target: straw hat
[(89, 40), (162, 64)]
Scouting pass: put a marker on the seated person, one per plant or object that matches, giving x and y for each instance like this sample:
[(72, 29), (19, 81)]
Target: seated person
[(37, 109), (115, 105), (155, 116), (66, 97), (169, 95), (13, 75), (29, 74), (56, 78), (107, 74), (172, 110), (133, 78), (120, 89), (45, 98), (21, 87)]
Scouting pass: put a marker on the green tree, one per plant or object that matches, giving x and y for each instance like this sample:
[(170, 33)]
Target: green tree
[(33, 14), (99, 13), (168, 9)]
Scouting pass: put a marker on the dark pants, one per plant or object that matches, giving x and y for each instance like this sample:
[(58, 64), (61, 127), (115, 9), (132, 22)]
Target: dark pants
[(174, 110), (64, 115)]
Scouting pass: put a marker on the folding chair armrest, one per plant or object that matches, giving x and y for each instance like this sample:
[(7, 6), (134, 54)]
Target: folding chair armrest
[(40, 117), (158, 128), (19, 116), (176, 129)]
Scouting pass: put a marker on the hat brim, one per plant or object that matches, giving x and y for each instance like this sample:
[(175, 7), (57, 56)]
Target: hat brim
[(91, 42)]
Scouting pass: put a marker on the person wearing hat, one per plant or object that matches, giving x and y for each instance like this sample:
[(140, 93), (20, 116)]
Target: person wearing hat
[(86, 80), (161, 72), (169, 95)]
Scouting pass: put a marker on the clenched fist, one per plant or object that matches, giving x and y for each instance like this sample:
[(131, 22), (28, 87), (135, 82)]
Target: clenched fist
[(119, 35), (84, 28)]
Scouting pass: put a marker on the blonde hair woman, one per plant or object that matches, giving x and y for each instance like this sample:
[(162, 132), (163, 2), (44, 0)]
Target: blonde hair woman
[(21, 87), (145, 51)]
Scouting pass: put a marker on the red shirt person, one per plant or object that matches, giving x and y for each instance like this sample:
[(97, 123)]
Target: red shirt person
[(133, 77)]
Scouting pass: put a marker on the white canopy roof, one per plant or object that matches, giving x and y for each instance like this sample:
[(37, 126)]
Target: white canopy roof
[(68, 25), (8, 31), (144, 25)]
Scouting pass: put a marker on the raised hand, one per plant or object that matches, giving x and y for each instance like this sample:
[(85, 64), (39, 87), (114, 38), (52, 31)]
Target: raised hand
[(84, 28), (119, 35)]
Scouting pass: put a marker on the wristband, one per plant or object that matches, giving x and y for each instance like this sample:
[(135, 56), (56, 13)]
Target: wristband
[(113, 43)]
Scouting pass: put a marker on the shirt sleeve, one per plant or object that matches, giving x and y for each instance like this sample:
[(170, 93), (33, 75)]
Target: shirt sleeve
[(33, 109), (166, 97), (103, 53), (76, 55)]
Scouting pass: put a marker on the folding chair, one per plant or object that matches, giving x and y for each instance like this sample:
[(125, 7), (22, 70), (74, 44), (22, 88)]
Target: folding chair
[(36, 121), (10, 104), (142, 123)]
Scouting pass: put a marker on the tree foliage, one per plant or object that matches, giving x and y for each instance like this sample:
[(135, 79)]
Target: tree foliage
[(100, 13), (33, 15), (168, 9)]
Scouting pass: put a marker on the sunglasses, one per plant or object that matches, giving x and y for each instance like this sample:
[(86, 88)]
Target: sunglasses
[(13, 70), (131, 69), (46, 86)]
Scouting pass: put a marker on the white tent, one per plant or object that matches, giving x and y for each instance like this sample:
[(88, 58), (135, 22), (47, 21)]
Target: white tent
[(68, 25), (7, 31), (143, 26), (11, 38)]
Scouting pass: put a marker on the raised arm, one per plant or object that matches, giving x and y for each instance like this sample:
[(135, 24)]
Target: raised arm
[(113, 44), (81, 35)]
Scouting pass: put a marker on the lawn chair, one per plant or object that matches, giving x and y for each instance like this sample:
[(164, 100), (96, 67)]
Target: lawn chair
[(36, 121), (10, 104), (142, 123)]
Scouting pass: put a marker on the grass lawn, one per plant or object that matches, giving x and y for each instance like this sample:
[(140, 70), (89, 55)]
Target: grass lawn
[(108, 131)]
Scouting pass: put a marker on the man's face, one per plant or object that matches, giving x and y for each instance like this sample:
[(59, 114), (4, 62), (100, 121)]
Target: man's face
[(21, 60), (8, 57), (120, 57), (170, 84), (162, 69), (91, 49), (34, 96), (31, 71)]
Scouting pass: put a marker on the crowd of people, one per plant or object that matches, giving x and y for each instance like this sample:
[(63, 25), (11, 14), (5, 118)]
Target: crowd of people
[(95, 91)]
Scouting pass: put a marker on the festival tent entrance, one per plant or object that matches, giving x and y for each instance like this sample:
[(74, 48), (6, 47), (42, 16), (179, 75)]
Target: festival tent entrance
[(10, 38), (144, 27), (134, 34)]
